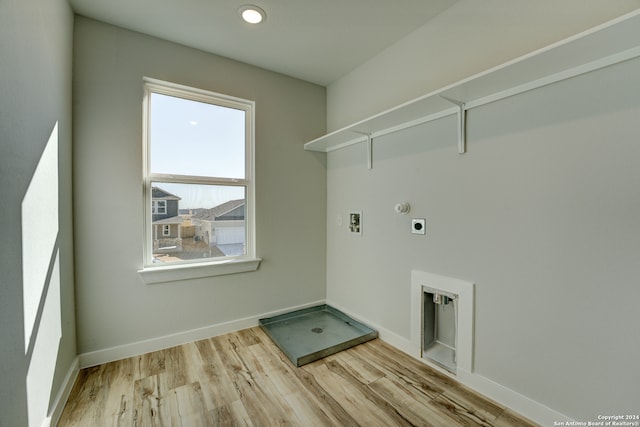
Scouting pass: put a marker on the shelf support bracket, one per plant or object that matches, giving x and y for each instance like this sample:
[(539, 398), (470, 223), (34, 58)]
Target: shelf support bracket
[(369, 148), (462, 124)]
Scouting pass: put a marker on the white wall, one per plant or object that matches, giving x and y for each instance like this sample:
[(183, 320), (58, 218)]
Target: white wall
[(469, 37), (37, 321), (541, 214), (115, 307)]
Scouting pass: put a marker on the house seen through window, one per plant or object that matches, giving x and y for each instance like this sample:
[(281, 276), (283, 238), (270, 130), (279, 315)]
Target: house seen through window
[(198, 175)]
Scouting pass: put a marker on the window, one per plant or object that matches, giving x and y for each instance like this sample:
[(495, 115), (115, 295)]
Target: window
[(159, 206), (198, 177)]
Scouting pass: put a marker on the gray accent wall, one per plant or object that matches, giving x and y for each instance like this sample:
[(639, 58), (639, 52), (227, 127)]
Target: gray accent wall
[(35, 166), (115, 307), (542, 214)]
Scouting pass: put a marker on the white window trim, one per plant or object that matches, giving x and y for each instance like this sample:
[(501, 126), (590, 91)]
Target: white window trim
[(153, 273), (166, 230), (178, 272)]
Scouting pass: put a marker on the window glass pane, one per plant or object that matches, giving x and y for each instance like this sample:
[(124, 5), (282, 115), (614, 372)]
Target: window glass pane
[(195, 138), (203, 221)]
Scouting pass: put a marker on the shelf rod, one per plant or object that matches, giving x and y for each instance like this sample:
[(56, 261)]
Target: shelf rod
[(462, 124)]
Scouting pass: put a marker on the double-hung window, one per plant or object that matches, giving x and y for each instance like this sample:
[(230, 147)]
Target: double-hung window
[(198, 182)]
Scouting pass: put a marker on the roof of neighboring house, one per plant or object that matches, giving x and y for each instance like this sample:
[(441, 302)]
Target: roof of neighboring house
[(171, 220), (217, 211), (158, 193)]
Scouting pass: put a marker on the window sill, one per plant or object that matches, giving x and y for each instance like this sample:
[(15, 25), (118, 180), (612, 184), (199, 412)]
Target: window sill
[(174, 273)]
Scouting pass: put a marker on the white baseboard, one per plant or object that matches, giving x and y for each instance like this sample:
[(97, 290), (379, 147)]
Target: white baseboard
[(63, 394), (517, 402), (504, 396), (134, 349)]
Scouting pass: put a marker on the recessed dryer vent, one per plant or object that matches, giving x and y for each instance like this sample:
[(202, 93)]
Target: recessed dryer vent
[(442, 320)]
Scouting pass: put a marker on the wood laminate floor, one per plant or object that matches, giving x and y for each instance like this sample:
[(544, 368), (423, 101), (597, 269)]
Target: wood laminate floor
[(242, 379)]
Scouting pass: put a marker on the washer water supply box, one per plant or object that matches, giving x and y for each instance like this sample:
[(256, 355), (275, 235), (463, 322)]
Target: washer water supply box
[(440, 328)]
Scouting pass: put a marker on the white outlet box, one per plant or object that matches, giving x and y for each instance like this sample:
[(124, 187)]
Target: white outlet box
[(419, 226)]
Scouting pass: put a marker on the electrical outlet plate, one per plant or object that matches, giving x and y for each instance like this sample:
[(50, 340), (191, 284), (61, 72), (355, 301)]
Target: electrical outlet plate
[(355, 222), (419, 226)]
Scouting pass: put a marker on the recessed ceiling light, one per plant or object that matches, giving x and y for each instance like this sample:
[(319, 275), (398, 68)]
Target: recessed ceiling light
[(252, 14)]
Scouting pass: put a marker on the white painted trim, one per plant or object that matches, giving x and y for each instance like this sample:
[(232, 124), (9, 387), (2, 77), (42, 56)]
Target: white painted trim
[(511, 399), (159, 343), (176, 272), (63, 394), (150, 86)]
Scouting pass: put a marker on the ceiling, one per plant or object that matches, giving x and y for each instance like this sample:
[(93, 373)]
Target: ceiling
[(314, 40)]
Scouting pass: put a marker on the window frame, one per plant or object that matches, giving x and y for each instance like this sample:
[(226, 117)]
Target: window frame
[(153, 273)]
